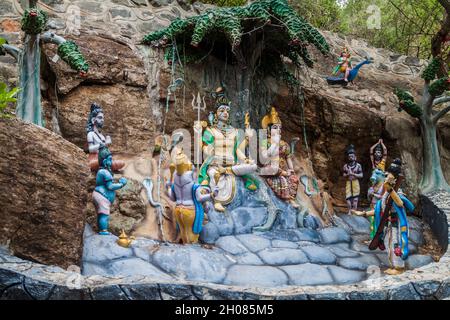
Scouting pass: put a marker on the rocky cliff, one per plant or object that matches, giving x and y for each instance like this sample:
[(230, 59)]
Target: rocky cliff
[(43, 194), (130, 81)]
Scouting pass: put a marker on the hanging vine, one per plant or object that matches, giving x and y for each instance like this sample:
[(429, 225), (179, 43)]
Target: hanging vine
[(71, 54), (289, 37)]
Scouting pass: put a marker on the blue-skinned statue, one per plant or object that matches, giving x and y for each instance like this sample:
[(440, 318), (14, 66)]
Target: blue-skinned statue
[(105, 189), (189, 197), (395, 234)]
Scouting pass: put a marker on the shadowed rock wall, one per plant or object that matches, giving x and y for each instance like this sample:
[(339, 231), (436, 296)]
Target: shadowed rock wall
[(43, 182)]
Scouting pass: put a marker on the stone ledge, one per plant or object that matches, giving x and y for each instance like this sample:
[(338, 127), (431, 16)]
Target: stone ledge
[(21, 279)]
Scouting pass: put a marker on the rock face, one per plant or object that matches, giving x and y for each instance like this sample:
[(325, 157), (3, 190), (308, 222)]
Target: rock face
[(333, 116), (296, 256), (43, 194), (131, 82), (20, 279)]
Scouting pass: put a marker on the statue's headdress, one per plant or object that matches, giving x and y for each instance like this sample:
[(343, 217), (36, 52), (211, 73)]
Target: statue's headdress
[(345, 51), (221, 99), (395, 167), (182, 163), (270, 119), (350, 150), (95, 110), (378, 147), (103, 153)]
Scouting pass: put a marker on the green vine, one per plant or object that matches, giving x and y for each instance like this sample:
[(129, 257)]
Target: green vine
[(2, 42), (431, 70), (439, 86), (187, 56), (406, 103), (70, 53), (291, 37), (34, 21)]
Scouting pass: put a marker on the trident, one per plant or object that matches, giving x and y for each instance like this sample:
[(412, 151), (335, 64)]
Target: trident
[(199, 106)]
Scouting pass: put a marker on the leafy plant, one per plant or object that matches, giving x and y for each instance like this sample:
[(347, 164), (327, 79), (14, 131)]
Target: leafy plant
[(224, 3), (6, 96), (285, 33), (2, 42)]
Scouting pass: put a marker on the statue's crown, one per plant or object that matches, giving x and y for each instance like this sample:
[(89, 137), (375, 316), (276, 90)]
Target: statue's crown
[(270, 119), (350, 149), (182, 163), (220, 97), (103, 153)]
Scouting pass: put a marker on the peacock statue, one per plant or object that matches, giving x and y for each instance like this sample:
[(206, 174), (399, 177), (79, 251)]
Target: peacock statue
[(353, 73)]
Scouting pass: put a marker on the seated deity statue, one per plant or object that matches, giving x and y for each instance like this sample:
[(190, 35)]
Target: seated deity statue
[(344, 65), (279, 172), (188, 196), (225, 158), (96, 139)]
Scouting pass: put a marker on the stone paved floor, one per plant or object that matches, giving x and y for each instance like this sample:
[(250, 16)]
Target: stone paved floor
[(335, 255)]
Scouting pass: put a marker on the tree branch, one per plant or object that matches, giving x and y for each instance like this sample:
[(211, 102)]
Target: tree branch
[(441, 100), (11, 50), (427, 99), (438, 40), (50, 37), (441, 113), (404, 14)]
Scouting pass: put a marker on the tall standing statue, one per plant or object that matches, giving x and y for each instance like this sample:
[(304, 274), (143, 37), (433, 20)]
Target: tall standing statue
[(394, 235), (105, 189), (225, 158), (280, 171), (353, 172), (375, 192), (96, 139), (188, 196), (378, 155)]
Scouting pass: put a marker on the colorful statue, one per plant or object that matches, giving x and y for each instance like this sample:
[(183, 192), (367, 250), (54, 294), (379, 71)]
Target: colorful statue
[(396, 228), (282, 180), (224, 149), (188, 196), (352, 74), (344, 64), (96, 139), (378, 155), (375, 193), (105, 189), (352, 171)]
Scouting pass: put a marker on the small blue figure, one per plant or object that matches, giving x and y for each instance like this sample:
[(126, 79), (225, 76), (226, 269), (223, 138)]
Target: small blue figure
[(105, 189)]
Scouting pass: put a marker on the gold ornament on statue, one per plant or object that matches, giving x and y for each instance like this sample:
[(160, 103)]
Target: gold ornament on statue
[(124, 240), (182, 163), (270, 119)]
